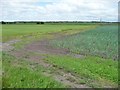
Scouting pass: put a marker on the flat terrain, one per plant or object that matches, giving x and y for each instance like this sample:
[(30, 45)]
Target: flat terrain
[(59, 56), (101, 41), (10, 32)]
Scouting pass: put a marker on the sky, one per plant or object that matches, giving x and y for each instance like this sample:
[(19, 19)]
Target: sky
[(59, 10)]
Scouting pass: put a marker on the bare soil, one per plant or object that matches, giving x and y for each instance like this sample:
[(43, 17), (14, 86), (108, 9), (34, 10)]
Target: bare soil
[(7, 46)]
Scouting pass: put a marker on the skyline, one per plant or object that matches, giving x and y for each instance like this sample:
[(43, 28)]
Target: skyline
[(56, 10)]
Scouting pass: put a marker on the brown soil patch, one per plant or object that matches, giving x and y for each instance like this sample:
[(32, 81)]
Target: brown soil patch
[(43, 47)]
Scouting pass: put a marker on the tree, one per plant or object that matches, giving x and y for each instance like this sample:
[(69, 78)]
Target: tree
[(42, 22), (38, 23), (3, 22)]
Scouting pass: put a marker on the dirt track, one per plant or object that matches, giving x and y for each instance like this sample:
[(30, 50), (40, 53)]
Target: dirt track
[(7, 46), (42, 47)]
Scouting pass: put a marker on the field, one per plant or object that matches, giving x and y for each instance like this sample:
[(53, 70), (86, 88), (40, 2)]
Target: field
[(60, 56), (18, 31), (102, 41)]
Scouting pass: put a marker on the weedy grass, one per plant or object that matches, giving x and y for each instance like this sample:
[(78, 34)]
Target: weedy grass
[(101, 41), (93, 70), (16, 74)]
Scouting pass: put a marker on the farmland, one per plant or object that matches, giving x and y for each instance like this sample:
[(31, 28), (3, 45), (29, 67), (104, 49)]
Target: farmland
[(18, 31), (60, 55), (101, 41)]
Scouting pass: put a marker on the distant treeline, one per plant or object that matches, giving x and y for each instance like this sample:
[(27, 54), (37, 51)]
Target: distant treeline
[(20, 22), (41, 22)]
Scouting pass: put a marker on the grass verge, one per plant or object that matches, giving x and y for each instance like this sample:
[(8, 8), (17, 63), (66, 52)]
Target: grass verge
[(16, 74), (95, 71)]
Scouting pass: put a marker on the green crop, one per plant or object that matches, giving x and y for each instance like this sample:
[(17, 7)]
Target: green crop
[(102, 41)]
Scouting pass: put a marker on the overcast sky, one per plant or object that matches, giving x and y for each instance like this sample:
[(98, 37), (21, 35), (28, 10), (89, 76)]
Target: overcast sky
[(57, 10)]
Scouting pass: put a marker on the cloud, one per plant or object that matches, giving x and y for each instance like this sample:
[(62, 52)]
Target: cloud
[(44, 10)]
